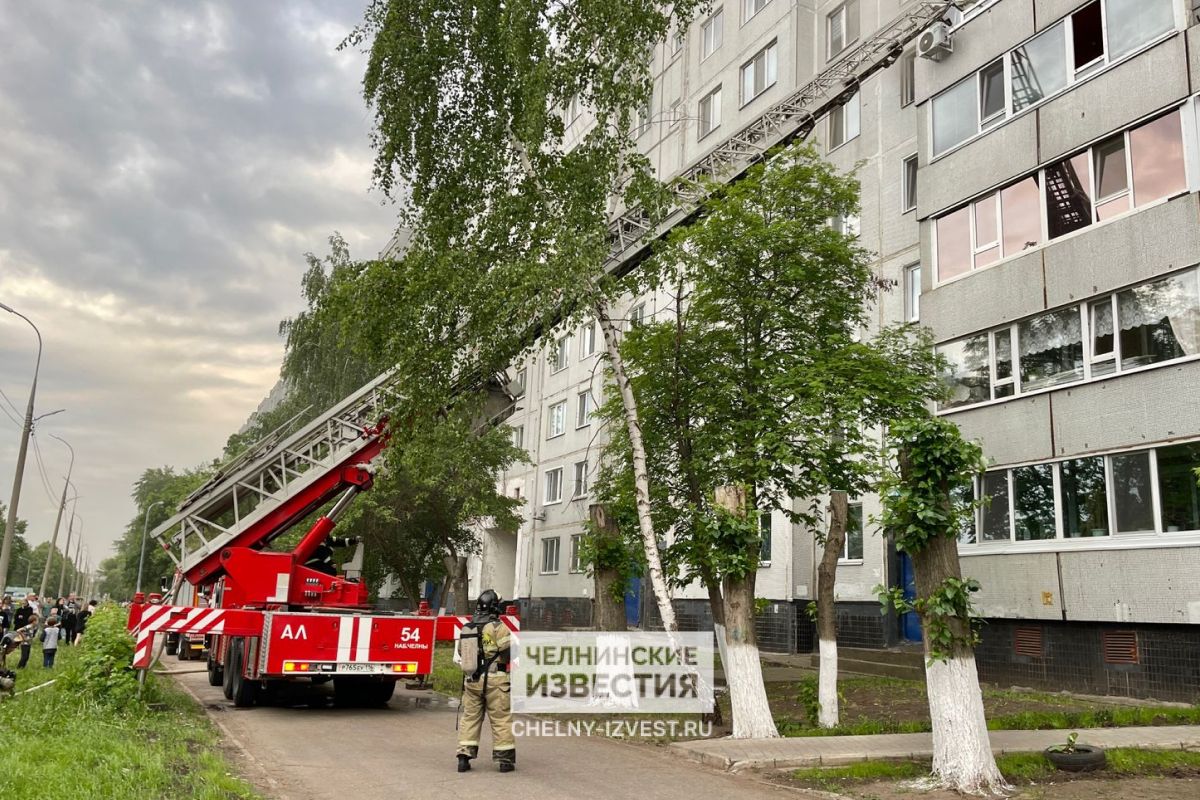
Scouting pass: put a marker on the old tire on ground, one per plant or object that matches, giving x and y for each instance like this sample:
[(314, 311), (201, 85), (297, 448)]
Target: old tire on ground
[(1083, 759), (216, 675), (245, 690), (230, 668)]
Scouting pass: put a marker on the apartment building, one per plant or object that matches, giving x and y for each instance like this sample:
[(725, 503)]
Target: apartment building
[(1029, 185)]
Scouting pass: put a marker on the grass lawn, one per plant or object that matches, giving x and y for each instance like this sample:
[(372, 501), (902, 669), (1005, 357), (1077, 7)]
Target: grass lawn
[(891, 705), (57, 744), (1021, 769)]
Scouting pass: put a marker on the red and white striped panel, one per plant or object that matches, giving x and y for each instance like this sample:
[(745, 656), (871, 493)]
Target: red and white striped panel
[(448, 627), (182, 619)]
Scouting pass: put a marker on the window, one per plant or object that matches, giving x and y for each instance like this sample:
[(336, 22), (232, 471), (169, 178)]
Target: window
[(550, 555), (845, 225), (711, 33), (908, 78), (637, 316), (963, 497), (995, 515), (1039, 67), (842, 25), (1088, 40), (587, 340), (843, 122), (853, 549), (1033, 502), (1084, 497), (581, 479), (1126, 171), (559, 355), (518, 436), (710, 112), (516, 387), (644, 116), (1148, 324), (764, 536), (1132, 499), (676, 113), (752, 7), (583, 410), (1159, 321), (577, 564), (557, 421), (1051, 349), (908, 186), (553, 486), (1180, 496), (759, 73), (912, 293), (1132, 23), (991, 94), (675, 42)]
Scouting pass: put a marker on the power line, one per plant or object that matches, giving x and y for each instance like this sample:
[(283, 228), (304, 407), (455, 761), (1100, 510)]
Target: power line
[(10, 402), (37, 454), (8, 413)]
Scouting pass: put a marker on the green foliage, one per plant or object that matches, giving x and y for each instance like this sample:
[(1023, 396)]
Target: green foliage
[(808, 696), (951, 601), (102, 671), (1068, 747), (622, 554)]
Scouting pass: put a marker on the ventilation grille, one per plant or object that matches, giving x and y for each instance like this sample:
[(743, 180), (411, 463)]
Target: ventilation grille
[(1028, 642), (1120, 647)]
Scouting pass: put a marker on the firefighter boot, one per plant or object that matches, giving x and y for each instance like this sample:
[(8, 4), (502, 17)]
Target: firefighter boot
[(464, 763), (507, 760)]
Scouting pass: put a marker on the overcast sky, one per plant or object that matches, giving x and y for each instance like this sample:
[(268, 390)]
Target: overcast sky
[(164, 166)]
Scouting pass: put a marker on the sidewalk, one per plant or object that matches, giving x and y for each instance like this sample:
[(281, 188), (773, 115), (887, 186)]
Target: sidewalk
[(810, 751)]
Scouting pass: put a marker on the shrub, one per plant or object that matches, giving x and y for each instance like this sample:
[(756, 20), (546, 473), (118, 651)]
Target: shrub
[(104, 670)]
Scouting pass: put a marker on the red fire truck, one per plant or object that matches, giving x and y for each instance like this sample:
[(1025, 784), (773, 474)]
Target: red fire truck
[(269, 617)]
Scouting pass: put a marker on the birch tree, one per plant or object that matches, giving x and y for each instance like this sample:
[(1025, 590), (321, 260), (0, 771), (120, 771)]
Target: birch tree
[(473, 103), (924, 510)]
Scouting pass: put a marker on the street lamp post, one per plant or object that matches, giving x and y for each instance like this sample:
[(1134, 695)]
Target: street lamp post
[(57, 521), (62, 573), (10, 527), (142, 557)]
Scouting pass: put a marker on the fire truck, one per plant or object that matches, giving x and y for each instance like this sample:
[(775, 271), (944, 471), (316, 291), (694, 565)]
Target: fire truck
[(270, 616)]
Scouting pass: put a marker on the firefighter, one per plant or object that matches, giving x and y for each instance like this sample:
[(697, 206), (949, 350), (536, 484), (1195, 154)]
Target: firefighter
[(484, 653), (322, 558)]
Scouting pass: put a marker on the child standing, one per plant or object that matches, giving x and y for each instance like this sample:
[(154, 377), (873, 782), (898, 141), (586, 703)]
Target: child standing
[(25, 636), (49, 639)]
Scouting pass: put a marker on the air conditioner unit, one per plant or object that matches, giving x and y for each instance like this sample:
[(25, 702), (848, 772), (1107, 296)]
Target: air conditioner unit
[(935, 42)]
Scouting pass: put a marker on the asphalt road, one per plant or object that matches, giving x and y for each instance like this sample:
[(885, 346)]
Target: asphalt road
[(295, 752)]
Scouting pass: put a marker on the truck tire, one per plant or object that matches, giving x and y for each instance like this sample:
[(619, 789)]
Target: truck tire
[(244, 690), (216, 675), (182, 650), (352, 691), (172, 643), (1084, 759), (230, 667)]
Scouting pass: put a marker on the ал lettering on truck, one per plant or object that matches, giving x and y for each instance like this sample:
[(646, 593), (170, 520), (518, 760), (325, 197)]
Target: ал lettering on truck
[(271, 616)]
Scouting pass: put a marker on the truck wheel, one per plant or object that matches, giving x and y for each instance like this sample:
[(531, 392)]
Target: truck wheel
[(183, 651), (231, 667), (244, 690), (358, 692), (380, 692), (172, 643), (216, 675)]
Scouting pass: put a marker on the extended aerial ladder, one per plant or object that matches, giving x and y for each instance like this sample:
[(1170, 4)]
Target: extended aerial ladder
[(274, 618)]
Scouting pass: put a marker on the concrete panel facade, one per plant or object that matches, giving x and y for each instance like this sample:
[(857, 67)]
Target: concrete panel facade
[(983, 38), (984, 163), (1135, 587), (1012, 432), (1001, 293), (1018, 586)]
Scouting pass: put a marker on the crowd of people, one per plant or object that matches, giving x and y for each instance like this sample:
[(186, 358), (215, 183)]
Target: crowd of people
[(49, 624)]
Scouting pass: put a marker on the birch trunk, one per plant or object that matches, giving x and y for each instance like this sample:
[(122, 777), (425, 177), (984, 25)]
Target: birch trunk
[(835, 540), (456, 577), (962, 752), (641, 476)]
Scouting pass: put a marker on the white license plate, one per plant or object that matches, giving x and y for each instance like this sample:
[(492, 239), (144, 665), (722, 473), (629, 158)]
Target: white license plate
[(368, 668)]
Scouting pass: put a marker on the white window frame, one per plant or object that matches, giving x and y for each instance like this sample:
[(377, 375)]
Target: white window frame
[(712, 33), (769, 63), (845, 558), (637, 316), (581, 487), (575, 564), (912, 300), (518, 436), (766, 528), (1073, 77), (908, 202), (557, 475), (560, 357), (712, 121), (842, 111), (1083, 308), (583, 409), (551, 545), (556, 420), (843, 11), (587, 341), (908, 78), (751, 9)]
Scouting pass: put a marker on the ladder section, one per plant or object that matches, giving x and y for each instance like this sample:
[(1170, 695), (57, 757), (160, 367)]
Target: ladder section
[(631, 234), (257, 497)]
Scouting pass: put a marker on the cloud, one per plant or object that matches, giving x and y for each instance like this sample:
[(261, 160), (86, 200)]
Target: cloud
[(163, 168)]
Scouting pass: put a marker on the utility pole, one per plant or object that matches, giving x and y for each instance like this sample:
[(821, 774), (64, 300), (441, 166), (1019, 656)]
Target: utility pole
[(57, 521), (77, 563), (11, 525), (62, 575)]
